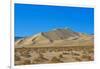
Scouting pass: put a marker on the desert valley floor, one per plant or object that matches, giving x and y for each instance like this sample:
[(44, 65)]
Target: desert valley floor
[(42, 55)]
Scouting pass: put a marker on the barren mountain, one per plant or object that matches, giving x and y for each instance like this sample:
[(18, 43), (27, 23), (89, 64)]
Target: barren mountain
[(56, 37)]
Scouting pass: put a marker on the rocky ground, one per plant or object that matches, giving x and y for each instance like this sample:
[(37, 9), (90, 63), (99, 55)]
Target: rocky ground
[(44, 55)]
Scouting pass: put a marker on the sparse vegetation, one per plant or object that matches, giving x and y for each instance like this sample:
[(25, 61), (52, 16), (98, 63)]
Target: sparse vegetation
[(53, 55)]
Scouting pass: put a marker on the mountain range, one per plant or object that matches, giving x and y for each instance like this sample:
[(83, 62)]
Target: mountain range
[(56, 37)]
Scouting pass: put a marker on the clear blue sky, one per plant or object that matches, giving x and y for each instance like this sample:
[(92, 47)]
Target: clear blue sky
[(32, 19)]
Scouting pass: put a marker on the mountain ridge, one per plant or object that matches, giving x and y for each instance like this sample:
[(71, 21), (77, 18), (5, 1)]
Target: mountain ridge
[(55, 36)]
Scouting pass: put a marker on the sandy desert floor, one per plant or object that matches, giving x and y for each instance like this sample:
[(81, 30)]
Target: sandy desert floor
[(45, 55)]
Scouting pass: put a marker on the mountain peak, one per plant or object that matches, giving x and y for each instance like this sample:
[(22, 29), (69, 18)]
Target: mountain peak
[(65, 28), (59, 34)]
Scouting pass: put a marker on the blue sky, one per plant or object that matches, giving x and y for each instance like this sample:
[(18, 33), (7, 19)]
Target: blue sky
[(32, 19)]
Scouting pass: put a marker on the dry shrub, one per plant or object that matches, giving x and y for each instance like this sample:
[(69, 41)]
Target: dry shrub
[(78, 59), (17, 58), (84, 56), (25, 54), (37, 60), (76, 54), (55, 60), (66, 53), (61, 56), (90, 58), (27, 62), (40, 59)]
